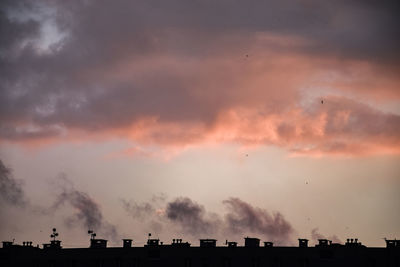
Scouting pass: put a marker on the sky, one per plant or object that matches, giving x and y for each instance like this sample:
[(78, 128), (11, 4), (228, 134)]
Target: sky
[(199, 119)]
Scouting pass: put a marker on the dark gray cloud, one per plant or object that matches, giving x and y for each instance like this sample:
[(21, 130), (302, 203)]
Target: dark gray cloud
[(353, 28), (244, 218), (191, 216), (86, 211), (11, 191), (15, 35)]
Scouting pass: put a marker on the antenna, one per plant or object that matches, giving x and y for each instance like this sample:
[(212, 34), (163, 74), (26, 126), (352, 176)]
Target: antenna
[(92, 234), (54, 234)]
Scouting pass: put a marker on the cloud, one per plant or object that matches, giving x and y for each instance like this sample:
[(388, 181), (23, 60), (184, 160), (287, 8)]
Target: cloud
[(243, 217), (86, 211), (174, 74), (11, 190)]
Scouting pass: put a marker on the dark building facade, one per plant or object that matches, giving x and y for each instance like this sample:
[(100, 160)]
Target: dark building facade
[(181, 254)]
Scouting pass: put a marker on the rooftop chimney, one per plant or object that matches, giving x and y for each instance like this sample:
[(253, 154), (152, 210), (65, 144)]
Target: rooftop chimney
[(208, 243), (127, 243), (251, 242), (268, 244), (98, 243), (303, 243)]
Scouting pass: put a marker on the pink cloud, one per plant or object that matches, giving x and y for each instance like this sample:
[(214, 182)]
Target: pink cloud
[(257, 89)]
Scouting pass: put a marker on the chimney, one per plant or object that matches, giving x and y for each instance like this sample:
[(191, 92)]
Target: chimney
[(303, 243), (208, 243), (127, 243), (268, 244), (98, 243), (251, 242)]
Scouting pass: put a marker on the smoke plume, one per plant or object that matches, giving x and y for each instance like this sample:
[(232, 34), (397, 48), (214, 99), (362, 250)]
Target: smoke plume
[(191, 216), (87, 211), (145, 210), (242, 217), (11, 191), (138, 211), (315, 235)]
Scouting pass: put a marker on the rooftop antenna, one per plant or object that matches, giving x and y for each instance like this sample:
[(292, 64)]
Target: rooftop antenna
[(92, 234), (54, 234)]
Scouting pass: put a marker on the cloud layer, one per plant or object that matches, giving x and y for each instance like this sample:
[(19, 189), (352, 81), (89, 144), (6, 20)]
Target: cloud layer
[(185, 73)]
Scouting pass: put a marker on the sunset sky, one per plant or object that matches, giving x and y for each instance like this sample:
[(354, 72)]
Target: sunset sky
[(200, 119)]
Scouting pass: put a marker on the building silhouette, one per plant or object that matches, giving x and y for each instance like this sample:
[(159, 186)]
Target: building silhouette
[(207, 254)]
